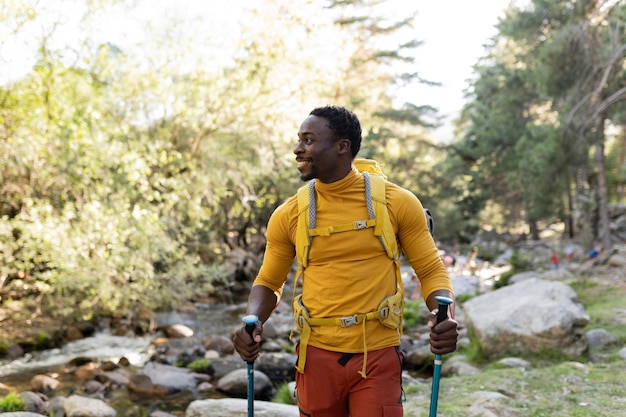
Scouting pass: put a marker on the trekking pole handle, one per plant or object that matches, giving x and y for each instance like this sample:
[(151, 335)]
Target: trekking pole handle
[(442, 312), (250, 321)]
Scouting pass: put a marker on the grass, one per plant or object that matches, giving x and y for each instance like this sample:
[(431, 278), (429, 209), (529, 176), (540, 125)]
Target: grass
[(11, 402), (553, 385)]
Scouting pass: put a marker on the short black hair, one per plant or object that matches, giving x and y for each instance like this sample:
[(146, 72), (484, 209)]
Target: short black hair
[(343, 123)]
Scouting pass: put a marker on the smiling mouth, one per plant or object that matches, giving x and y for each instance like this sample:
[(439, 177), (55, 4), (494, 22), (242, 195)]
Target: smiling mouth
[(302, 163)]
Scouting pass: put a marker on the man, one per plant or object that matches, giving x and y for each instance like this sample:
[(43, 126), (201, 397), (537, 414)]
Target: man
[(353, 369)]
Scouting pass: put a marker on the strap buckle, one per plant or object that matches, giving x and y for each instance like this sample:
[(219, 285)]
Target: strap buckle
[(349, 320), (384, 312), (360, 224)]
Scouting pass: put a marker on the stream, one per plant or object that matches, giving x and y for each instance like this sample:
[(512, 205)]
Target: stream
[(210, 319)]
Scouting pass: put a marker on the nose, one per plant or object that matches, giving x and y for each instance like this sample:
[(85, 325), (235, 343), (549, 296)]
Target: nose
[(298, 148)]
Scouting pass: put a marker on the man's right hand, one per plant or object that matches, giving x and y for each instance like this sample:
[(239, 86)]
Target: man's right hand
[(248, 347)]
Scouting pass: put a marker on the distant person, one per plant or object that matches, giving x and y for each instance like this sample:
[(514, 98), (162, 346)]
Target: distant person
[(569, 253), (449, 261), (470, 264), (554, 260), (594, 254)]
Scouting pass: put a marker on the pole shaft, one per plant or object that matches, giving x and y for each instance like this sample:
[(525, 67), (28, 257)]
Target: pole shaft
[(442, 314)]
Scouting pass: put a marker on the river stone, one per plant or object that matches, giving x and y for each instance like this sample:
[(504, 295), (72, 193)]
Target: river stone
[(77, 406), (235, 384), (233, 407), (219, 343), (43, 383), (33, 402), (171, 377), (278, 366)]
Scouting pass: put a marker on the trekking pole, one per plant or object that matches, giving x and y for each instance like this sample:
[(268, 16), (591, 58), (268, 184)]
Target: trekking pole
[(442, 314), (250, 321)]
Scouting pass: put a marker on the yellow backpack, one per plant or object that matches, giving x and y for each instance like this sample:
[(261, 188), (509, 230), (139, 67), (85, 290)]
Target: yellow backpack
[(390, 310)]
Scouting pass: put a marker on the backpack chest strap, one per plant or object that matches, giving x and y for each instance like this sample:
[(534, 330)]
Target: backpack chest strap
[(355, 225)]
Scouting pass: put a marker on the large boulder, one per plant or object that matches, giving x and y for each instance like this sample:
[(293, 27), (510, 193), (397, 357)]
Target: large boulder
[(528, 317), (231, 407)]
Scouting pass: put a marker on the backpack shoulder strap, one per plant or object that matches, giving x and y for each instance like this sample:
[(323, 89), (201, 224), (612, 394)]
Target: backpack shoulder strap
[(383, 228), (306, 221)]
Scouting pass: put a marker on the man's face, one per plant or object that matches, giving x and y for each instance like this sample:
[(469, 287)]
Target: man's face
[(317, 150)]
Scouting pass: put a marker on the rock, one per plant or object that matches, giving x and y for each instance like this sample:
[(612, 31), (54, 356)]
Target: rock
[(221, 344), (77, 406), (5, 389), (487, 404), (599, 338), (278, 366), (514, 363), (457, 366), (528, 317), (117, 378), (172, 378), (142, 385), (43, 383), (235, 384), (178, 331), (56, 407), (222, 366), (87, 371), (418, 356), (232, 407), (73, 333), (93, 387), (34, 402), (465, 285), (523, 276)]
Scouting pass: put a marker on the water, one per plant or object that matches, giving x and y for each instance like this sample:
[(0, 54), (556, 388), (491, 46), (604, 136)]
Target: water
[(102, 346), (208, 319)]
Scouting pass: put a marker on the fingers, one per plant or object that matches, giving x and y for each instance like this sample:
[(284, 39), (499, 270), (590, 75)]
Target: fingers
[(443, 337), (248, 347)]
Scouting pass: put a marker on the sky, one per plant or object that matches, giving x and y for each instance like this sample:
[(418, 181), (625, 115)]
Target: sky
[(453, 32)]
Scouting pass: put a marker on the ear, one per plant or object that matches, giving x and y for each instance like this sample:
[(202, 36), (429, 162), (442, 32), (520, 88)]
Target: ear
[(345, 146)]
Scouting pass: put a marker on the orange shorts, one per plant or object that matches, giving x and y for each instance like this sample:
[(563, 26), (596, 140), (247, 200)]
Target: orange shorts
[(331, 385)]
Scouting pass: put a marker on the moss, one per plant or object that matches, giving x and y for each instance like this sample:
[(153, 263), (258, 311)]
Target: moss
[(199, 365)]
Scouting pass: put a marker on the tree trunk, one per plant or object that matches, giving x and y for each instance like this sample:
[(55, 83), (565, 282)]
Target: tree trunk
[(603, 204)]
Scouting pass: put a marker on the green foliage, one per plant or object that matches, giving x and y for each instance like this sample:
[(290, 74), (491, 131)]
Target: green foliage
[(131, 172), (474, 351), (413, 314), (518, 263), (602, 304), (284, 395), (128, 178), (11, 402)]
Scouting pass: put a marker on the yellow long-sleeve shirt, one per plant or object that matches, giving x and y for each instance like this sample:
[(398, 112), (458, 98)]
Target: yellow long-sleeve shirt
[(349, 272)]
